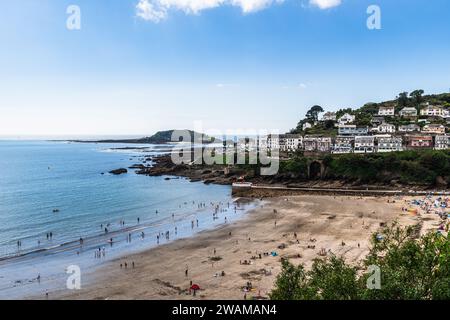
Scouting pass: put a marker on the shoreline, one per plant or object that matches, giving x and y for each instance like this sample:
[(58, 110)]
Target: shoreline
[(342, 225)]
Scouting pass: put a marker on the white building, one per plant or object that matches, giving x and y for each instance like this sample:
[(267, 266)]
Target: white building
[(346, 119), (343, 144), (329, 116), (324, 144), (409, 128), (306, 125), (387, 143), (408, 112), (434, 128), (364, 144), (432, 111), (273, 142), (352, 130), (386, 111), (384, 128), (442, 142), (291, 142)]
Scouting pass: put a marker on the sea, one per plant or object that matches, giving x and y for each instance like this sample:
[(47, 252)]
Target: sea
[(52, 193)]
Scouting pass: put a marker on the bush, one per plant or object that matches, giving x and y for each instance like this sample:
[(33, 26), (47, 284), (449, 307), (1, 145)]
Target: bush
[(411, 268)]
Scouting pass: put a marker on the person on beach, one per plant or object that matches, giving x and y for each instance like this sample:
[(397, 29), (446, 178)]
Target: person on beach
[(142, 235), (186, 272), (138, 220)]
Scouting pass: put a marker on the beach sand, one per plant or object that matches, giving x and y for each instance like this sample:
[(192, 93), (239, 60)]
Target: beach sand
[(328, 221)]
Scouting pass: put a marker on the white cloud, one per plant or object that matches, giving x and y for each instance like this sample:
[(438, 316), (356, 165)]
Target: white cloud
[(325, 4), (157, 10)]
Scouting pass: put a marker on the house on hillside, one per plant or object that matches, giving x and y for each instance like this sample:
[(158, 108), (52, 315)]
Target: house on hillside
[(434, 128), (346, 119), (386, 111), (419, 142), (309, 143), (273, 142), (377, 120), (384, 128), (291, 142), (343, 144), (306, 125), (408, 112), (432, 111), (412, 127), (442, 142), (352, 130), (364, 144), (324, 144), (329, 116), (387, 143)]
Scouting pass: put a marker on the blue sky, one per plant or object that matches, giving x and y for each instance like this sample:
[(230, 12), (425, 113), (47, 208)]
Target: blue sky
[(232, 64)]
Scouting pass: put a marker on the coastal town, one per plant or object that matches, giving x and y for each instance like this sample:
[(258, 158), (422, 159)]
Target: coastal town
[(423, 127)]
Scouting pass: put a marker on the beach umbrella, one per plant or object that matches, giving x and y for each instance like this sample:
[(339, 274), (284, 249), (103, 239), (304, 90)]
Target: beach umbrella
[(195, 287)]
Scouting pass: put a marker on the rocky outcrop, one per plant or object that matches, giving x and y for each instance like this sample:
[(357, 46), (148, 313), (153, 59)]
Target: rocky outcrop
[(119, 171)]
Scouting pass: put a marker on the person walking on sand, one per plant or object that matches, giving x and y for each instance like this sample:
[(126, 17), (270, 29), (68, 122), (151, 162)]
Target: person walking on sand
[(186, 272)]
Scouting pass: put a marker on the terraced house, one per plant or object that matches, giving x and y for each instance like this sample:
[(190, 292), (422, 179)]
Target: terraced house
[(441, 142), (364, 144), (352, 130), (389, 143), (432, 111)]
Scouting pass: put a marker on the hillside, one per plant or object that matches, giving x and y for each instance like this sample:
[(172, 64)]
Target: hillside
[(160, 137)]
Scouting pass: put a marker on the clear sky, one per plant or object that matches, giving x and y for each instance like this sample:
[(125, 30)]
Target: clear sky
[(138, 66)]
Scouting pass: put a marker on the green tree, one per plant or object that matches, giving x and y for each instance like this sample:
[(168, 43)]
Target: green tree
[(291, 283), (402, 99), (313, 113), (416, 95)]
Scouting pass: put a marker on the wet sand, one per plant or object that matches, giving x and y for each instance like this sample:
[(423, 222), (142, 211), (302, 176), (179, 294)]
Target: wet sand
[(335, 224)]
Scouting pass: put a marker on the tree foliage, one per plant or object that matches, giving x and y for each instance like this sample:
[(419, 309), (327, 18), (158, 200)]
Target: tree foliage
[(411, 268)]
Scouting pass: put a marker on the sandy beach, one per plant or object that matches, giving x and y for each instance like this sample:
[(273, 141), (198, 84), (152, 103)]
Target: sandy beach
[(295, 227)]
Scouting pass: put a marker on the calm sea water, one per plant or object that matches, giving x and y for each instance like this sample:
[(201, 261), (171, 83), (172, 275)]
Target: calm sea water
[(37, 177)]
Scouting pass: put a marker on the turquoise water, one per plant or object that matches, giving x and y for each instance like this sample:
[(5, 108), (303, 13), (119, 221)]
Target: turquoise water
[(37, 177)]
